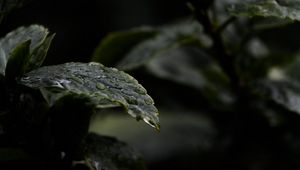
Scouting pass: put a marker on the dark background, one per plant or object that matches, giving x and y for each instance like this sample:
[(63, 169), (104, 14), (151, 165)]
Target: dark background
[(80, 25)]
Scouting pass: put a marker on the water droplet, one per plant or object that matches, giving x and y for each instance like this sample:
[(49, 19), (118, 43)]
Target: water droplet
[(151, 123), (132, 100), (64, 83), (114, 69), (100, 86), (101, 77), (141, 90), (26, 78), (149, 101), (94, 64)]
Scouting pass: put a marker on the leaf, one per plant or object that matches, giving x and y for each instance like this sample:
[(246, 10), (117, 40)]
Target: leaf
[(117, 44), (193, 67), (13, 154), (8, 5), (36, 33), (170, 37), (106, 87), (38, 54), (284, 9), (190, 132), (108, 153), (17, 59), (285, 93)]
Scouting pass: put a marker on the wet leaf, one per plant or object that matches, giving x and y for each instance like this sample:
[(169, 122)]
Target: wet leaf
[(169, 37), (117, 44), (284, 9), (108, 153), (38, 47), (106, 87)]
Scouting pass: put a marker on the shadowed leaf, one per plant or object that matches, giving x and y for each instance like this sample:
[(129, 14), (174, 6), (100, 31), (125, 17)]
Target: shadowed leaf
[(117, 44), (108, 153), (169, 37), (16, 61), (38, 48)]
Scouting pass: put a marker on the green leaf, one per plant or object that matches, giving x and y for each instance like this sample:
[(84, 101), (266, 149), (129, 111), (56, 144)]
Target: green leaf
[(17, 58), (108, 153), (117, 44), (38, 54), (170, 37), (284, 9), (36, 33), (106, 87)]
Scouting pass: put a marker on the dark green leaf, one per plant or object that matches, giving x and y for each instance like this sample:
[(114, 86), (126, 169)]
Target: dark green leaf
[(189, 131), (36, 33), (117, 44), (38, 54), (285, 9), (13, 154), (106, 87), (170, 37), (108, 153), (8, 5), (17, 59), (191, 66)]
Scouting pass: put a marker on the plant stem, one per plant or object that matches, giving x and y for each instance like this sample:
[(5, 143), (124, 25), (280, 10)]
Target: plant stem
[(226, 61)]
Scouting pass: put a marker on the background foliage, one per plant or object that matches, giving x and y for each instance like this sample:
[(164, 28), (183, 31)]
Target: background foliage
[(223, 74)]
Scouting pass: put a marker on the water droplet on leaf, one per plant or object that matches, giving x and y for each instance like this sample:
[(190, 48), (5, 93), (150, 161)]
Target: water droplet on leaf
[(149, 101), (100, 86), (140, 90)]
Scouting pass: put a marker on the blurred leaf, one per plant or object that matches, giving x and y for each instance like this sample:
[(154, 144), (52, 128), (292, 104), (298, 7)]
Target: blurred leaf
[(189, 131), (13, 154), (8, 5), (282, 84), (285, 93), (251, 67), (108, 153), (285, 9), (117, 44), (170, 37), (36, 33), (18, 57), (191, 66), (106, 87)]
